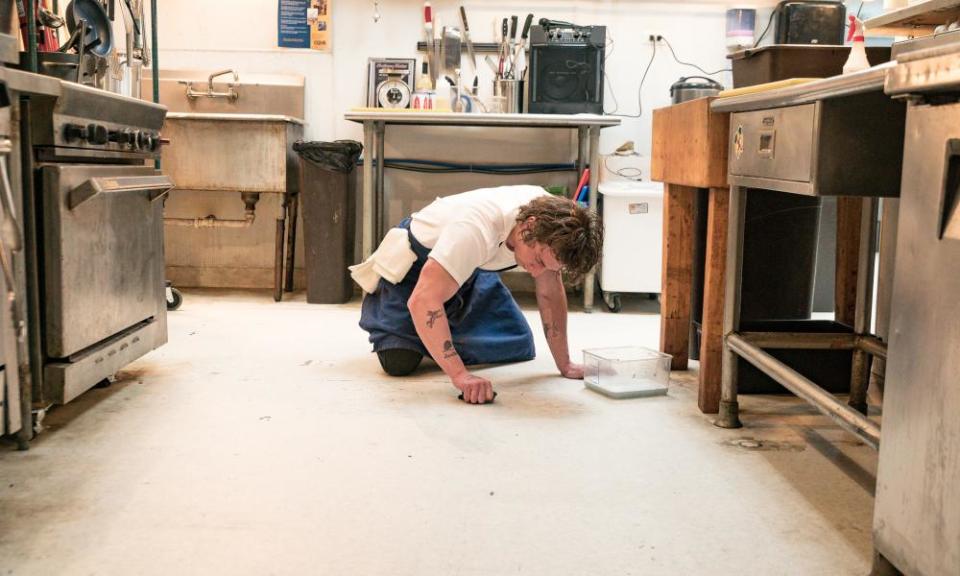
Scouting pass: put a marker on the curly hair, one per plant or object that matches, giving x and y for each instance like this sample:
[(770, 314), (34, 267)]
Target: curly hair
[(573, 233)]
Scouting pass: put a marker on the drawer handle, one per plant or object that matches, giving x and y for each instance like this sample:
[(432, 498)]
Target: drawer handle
[(158, 186)]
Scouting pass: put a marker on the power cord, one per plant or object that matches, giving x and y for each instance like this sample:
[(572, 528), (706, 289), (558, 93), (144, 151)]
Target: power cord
[(691, 65), (766, 28), (628, 172), (646, 71), (643, 79)]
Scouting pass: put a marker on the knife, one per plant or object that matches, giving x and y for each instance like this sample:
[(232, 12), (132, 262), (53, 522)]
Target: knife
[(468, 40), (520, 56), (503, 46), (513, 41), (428, 29)]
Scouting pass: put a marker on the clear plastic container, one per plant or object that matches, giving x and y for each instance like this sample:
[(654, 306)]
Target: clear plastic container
[(627, 372)]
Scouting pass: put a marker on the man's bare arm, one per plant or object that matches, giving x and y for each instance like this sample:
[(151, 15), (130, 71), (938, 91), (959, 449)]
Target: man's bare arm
[(434, 288), (552, 302)]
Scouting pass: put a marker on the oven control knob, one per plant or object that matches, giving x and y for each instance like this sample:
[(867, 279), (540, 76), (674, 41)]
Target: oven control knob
[(144, 140), (97, 134), (121, 137), (73, 132), (156, 142)]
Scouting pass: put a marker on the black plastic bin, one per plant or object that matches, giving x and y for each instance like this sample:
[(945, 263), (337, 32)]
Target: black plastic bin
[(779, 259), (829, 369), (327, 195), (784, 61)]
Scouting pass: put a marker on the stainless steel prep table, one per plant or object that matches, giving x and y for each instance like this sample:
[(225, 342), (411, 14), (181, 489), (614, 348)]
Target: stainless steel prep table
[(917, 515), (588, 128), (839, 136)]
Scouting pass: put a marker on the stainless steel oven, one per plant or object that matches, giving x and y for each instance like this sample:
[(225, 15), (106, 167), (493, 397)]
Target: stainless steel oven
[(11, 396), (99, 281)]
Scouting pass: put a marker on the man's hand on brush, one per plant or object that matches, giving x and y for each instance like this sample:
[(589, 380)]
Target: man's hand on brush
[(475, 389)]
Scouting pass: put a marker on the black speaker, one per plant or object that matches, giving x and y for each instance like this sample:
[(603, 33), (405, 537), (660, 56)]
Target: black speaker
[(566, 69), (810, 22)]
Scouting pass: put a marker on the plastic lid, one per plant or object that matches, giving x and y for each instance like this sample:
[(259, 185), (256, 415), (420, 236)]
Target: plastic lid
[(619, 188)]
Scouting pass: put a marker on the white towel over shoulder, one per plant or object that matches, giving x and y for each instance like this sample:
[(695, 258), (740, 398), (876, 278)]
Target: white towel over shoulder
[(391, 261)]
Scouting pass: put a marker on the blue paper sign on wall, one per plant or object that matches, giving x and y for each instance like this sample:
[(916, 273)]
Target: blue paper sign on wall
[(293, 30)]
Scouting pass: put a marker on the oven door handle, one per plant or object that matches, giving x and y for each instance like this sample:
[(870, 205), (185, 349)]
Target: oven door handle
[(157, 185)]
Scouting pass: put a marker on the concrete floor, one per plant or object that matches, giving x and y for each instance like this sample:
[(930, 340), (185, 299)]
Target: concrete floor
[(264, 439)]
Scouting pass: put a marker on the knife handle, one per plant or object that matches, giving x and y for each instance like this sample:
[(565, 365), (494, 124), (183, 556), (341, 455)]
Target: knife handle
[(513, 27), (526, 27)]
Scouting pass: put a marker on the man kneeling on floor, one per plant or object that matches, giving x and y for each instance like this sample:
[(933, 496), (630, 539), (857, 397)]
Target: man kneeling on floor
[(433, 286)]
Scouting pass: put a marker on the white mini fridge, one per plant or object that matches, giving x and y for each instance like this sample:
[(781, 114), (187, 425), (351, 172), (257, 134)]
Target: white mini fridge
[(632, 258)]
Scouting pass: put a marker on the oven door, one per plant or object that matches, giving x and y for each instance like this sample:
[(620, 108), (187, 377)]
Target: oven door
[(102, 252)]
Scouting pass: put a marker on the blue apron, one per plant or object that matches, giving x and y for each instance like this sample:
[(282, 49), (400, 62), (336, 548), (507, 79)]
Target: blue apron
[(485, 321)]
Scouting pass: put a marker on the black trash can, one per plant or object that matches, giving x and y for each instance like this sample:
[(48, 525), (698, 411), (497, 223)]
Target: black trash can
[(327, 195), (779, 252)]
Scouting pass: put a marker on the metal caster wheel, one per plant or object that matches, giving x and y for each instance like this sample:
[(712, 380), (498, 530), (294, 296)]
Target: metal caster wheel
[(612, 300), (174, 298)]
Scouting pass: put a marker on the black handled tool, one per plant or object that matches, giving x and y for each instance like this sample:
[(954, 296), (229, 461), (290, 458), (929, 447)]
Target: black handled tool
[(460, 397), (526, 27), (466, 36)]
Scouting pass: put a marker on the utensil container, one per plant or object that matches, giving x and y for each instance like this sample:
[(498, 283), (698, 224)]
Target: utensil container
[(512, 93)]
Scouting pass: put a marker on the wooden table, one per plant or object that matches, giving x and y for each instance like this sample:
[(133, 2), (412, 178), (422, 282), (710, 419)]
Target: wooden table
[(690, 153)]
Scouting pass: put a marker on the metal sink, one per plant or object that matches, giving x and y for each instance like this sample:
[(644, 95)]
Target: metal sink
[(231, 132)]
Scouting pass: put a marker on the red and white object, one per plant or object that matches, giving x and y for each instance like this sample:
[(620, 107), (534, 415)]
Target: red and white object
[(857, 60), (632, 258)]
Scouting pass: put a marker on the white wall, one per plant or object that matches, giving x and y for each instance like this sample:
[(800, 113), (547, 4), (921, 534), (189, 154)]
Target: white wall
[(242, 34)]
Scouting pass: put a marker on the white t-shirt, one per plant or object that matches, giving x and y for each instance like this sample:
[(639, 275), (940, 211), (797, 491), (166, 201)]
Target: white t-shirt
[(469, 231)]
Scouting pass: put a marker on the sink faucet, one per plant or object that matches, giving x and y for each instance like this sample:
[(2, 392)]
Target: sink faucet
[(222, 73), (231, 94)]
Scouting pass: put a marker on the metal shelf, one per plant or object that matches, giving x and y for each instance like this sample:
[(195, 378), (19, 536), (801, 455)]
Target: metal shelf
[(917, 20)]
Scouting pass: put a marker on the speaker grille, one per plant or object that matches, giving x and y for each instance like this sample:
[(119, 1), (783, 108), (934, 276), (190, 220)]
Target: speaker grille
[(566, 80)]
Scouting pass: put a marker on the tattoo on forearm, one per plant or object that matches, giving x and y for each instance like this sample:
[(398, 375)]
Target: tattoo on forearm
[(432, 316), (448, 350), (551, 330)]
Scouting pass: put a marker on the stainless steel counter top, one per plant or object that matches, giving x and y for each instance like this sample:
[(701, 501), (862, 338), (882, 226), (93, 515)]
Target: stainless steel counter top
[(461, 119), (234, 117), (29, 83), (871, 80), (932, 70)]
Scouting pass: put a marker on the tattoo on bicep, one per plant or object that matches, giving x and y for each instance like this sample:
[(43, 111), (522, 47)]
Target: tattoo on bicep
[(448, 350), (432, 316)]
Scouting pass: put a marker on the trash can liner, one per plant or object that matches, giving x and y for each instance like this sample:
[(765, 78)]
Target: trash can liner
[(339, 156)]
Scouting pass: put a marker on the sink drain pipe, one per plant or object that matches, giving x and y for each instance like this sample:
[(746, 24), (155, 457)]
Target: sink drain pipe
[(250, 200)]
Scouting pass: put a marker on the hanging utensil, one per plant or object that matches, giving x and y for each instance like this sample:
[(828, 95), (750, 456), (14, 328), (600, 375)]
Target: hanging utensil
[(470, 51), (428, 31), (98, 36), (520, 56), (452, 50)]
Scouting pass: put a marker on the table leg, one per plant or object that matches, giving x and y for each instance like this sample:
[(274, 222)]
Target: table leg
[(381, 130), (729, 408), (292, 240), (582, 133), (588, 280), (711, 344), (849, 217), (677, 275), (368, 214), (859, 377), (278, 250)]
